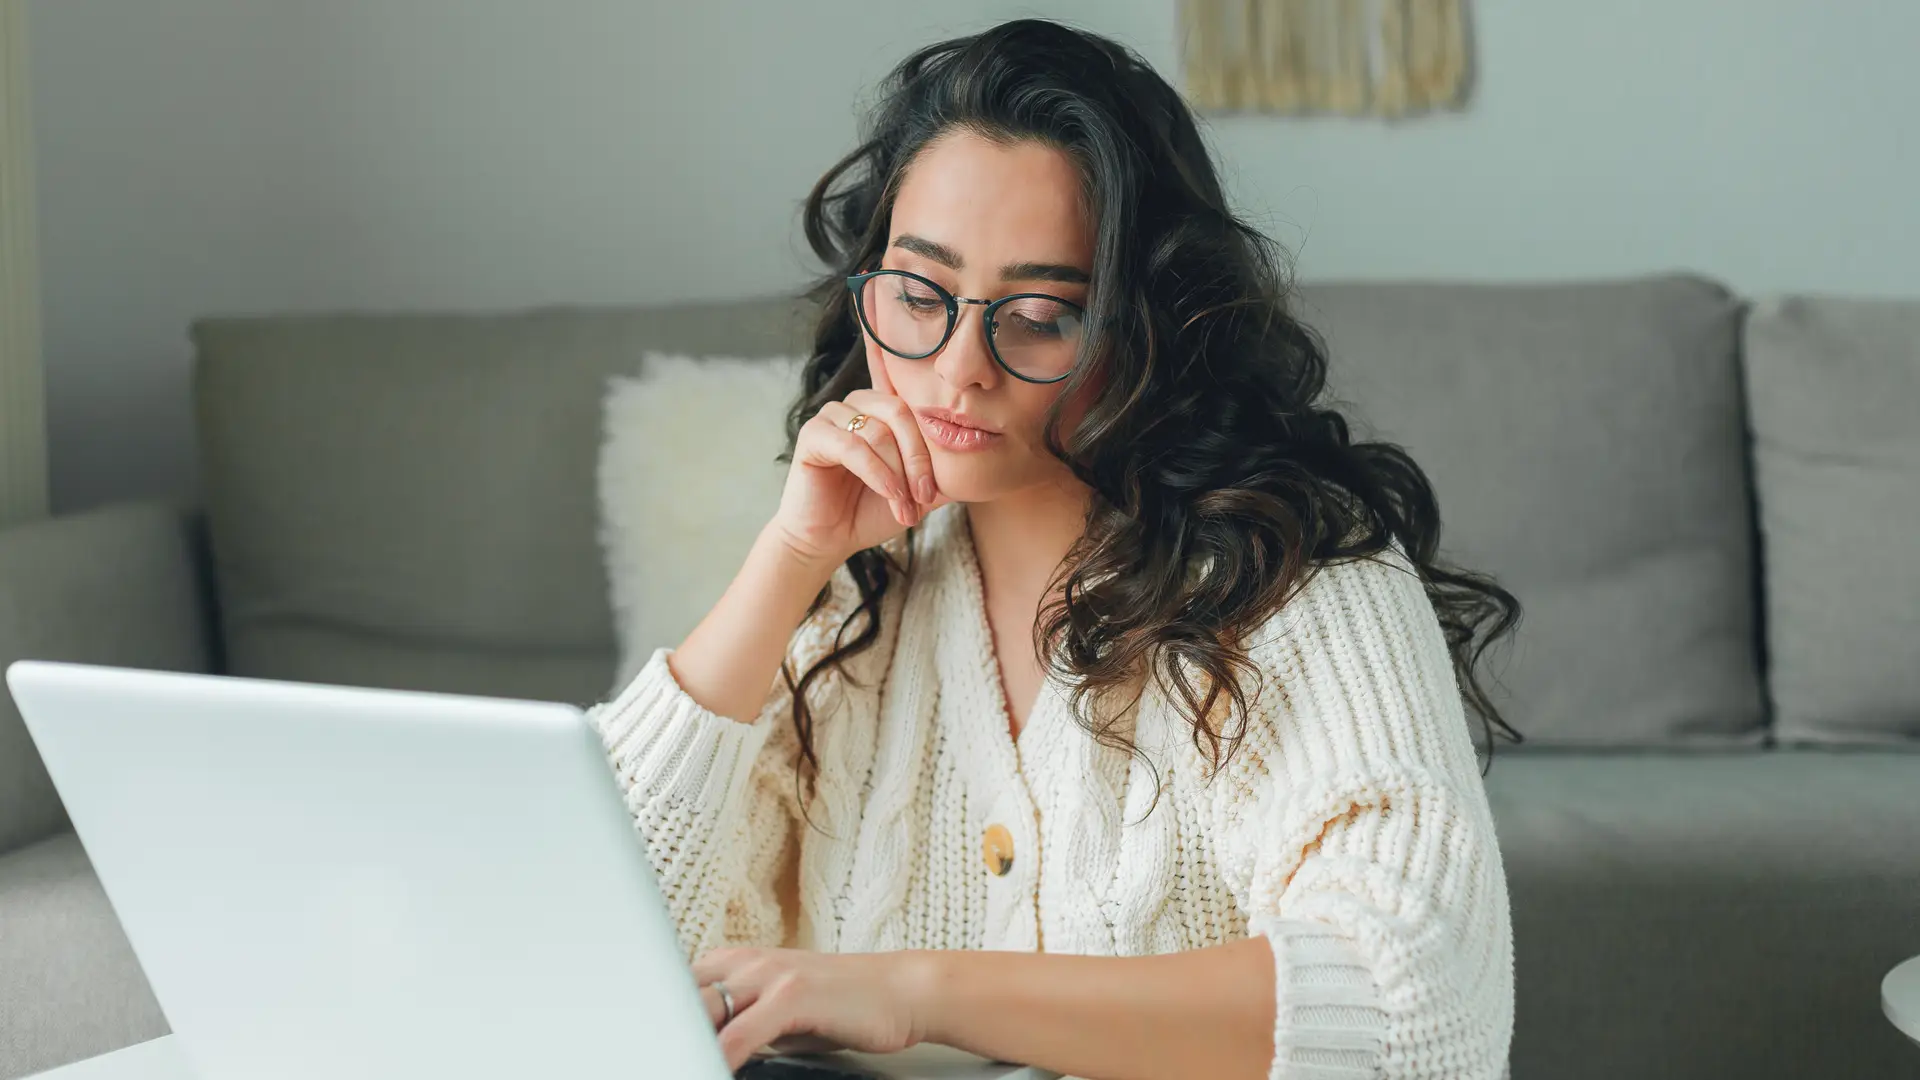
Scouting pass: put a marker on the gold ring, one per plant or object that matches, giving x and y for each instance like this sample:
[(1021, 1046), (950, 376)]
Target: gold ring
[(859, 421)]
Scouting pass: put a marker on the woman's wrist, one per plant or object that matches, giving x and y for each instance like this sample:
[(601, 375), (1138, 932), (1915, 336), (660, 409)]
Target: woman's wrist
[(922, 981), (794, 560)]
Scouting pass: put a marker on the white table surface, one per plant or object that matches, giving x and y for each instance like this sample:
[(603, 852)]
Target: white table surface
[(1900, 997), (156, 1060), (161, 1059)]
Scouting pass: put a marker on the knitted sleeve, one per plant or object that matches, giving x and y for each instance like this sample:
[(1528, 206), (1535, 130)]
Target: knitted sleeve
[(714, 799), (1361, 843)]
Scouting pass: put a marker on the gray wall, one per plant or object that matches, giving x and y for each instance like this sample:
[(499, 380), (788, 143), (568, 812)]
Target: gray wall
[(223, 156)]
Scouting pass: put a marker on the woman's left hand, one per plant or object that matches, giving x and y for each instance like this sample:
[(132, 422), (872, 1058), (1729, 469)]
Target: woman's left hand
[(858, 1001)]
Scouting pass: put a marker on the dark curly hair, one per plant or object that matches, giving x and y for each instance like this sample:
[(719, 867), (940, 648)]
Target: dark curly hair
[(1219, 479)]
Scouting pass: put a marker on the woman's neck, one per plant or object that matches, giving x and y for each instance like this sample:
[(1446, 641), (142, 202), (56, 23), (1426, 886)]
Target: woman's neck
[(1021, 538)]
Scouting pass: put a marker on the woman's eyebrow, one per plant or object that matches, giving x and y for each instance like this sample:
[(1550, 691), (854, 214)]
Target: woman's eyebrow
[(1025, 271), (939, 253)]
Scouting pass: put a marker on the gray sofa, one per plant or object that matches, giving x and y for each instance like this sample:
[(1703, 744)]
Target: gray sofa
[(1708, 505)]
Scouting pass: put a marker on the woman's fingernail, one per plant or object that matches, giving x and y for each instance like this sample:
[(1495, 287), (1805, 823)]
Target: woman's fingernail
[(926, 489)]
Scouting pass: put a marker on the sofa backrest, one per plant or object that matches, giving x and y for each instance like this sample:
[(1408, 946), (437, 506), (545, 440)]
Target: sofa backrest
[(1833, 385), (1586, 443), (118, 585), (408, 500)]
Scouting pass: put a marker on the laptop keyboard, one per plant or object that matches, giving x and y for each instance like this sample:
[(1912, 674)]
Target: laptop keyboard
[(799, 1069)]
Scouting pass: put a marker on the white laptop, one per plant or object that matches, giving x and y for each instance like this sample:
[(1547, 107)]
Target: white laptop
[(328, 882)]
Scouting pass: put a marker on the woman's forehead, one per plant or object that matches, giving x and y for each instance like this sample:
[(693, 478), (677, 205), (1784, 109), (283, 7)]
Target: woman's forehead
[(993, 203)]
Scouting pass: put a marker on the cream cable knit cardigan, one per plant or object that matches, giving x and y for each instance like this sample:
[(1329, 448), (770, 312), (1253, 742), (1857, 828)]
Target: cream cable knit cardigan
[(1351, 828)]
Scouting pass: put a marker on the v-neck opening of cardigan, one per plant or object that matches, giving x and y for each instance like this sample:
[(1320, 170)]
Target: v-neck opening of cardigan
[(990, 657)]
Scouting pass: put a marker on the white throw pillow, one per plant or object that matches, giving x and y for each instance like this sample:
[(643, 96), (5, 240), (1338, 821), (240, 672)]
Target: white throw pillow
[(687, 478)]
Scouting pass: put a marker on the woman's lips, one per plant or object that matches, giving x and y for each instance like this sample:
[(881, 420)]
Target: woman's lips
[(951, 436)]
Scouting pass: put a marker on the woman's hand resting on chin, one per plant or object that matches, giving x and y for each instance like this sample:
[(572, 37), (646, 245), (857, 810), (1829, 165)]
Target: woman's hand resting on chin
[(849, 490)]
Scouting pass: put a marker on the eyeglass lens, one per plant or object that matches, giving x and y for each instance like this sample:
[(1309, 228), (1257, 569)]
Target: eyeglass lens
[(1037, 337)]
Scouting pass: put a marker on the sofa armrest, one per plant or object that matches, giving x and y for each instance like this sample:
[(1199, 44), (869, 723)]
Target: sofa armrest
[(123, 585)]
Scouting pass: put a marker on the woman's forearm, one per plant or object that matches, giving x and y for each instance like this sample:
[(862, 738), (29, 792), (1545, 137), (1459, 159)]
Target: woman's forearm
[(1206, 1012), (729, 661)]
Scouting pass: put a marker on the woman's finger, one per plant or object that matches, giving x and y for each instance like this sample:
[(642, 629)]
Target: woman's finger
[(742, 993), (763, 998), (716, 1007), (756, 1026), (740, 970), (713, 965), (880, 435), (877, 435), (915, 459), (804, 1044), (877, 376), (857, 456)]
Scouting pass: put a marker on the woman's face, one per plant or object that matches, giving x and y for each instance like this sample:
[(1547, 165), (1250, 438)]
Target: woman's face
[(984, 220)]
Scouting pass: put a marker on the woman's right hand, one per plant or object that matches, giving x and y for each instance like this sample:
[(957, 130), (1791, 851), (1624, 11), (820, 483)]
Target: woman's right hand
[(850, 490)]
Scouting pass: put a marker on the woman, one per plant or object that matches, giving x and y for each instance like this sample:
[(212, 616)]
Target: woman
[(1091, 700)]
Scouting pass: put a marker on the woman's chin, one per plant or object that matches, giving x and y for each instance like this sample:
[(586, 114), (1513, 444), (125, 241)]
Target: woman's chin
[(964, 481)]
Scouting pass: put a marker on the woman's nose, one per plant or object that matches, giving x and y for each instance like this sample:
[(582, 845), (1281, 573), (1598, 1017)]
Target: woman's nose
[(966, 361)]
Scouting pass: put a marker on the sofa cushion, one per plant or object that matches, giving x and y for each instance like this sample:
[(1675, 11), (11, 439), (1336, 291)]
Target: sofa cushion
[(1835, 392), (409, 500), (679, 508), (119, 585), (1708, 914), (70, 987), (1585, 444)]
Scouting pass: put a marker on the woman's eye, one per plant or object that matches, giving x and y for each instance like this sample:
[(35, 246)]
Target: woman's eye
[(1035, 319), (1036, 327), (920, 301)]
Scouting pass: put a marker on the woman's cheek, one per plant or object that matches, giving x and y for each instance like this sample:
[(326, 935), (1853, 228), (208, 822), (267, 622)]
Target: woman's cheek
[(1073, 411)]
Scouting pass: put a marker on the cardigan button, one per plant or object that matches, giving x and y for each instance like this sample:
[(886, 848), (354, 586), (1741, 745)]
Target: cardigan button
[(996, 849)]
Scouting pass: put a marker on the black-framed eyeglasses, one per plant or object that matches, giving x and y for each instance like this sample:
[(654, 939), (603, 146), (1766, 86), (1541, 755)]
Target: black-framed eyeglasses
[(1032, 336)]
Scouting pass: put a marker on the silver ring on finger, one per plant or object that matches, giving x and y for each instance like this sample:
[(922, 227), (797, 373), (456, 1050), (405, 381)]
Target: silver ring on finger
[(726, 1002), (859, 421)]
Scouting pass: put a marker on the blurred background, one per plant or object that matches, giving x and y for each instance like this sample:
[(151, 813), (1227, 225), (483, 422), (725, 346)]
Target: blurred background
[(197, 157)]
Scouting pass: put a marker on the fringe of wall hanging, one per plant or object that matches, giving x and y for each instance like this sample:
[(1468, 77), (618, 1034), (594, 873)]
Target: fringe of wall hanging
[(1345, 57)]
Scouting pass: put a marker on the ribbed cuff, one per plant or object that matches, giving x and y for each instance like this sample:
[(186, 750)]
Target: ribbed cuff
[(1328, 1022), (665, 745)]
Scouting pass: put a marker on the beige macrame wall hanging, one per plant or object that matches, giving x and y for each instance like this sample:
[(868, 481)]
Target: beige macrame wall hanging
[(1345, 57)]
